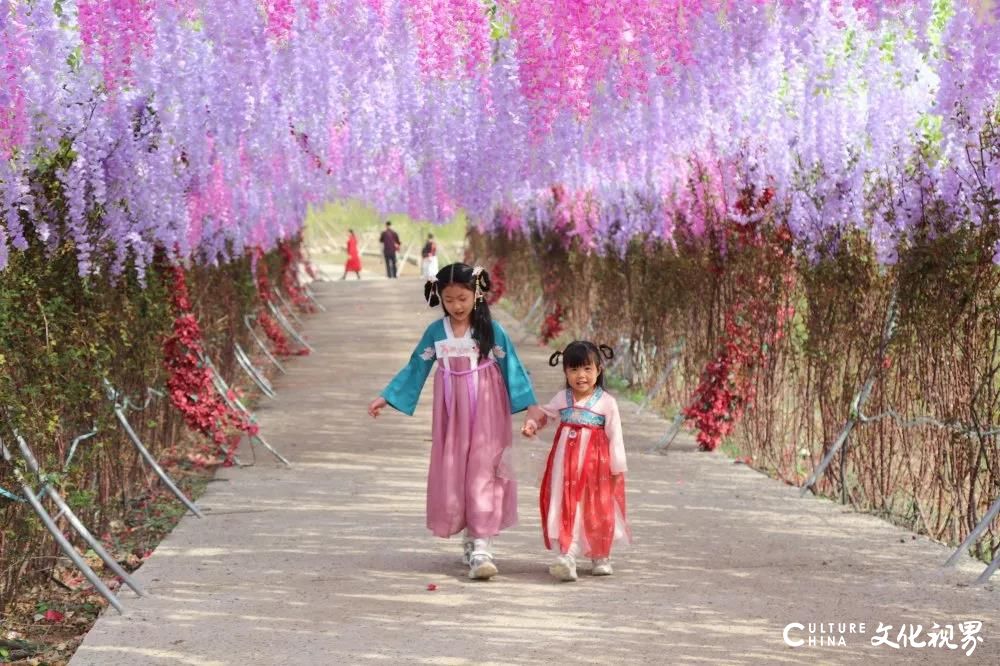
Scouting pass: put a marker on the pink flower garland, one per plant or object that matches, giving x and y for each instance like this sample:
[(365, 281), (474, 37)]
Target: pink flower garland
[(116, 31)]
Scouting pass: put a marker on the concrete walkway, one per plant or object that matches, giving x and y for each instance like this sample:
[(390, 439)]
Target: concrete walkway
[(329, 562)]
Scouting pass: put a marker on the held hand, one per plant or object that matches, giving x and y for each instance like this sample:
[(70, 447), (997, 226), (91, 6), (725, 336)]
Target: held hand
[(376, 406), (536, 414), (529, 429)]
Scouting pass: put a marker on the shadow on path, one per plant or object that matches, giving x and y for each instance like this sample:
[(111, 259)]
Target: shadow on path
[(329, 562)]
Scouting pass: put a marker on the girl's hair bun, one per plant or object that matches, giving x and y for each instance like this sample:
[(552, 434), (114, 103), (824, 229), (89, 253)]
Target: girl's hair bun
[(485, 283), (431, 293)]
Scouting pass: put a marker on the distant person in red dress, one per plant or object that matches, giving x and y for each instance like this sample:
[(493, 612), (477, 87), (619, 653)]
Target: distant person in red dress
[(353, 258)]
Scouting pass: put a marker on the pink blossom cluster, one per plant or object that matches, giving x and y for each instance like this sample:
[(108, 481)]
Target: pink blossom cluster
[(115, 31), (453, 38), (280, 18)]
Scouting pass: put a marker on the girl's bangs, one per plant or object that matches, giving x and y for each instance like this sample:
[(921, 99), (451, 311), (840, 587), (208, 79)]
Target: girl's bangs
[(576, 356)]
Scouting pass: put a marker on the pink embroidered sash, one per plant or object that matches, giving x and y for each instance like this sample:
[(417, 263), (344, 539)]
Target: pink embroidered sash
[(470, 383)]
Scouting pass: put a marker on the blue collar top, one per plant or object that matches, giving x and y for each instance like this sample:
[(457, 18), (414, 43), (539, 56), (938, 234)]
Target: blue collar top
[(584, 414)]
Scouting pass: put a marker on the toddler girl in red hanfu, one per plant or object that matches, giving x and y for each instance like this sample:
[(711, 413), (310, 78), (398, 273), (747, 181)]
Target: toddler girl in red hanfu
[(583, 491)]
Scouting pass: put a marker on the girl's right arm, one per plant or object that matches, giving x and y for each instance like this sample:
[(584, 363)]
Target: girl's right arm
[(551, 410), (376, 406), (404, 390)]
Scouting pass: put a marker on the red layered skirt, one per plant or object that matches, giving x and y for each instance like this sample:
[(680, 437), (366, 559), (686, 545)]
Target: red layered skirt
[(587, 488)]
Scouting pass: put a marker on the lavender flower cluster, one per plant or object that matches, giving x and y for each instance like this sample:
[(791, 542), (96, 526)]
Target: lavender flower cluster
[(204, 127)]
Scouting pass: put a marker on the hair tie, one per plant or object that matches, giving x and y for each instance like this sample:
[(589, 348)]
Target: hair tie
[(480, 282), (554, 359), (607, 351)]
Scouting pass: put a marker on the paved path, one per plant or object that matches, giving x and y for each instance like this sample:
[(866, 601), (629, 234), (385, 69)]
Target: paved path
[(329, 562)]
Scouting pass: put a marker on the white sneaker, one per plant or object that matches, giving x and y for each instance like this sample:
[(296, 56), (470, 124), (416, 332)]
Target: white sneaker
[(564, 568), (602, 567), (481, 566)]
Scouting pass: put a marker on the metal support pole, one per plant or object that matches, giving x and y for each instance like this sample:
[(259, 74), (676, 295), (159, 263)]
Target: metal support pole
[(818, 472), (72, 447), (859, 398), (975, 533), (312, 297), (6, 494), (248, 321), (263, 442), (148, 457), (675, 354), (985, 576), (223, 389), (288, 306), (288, 326), (69, 456), (120, 405), (64, 509), (255, 374), (57, 534), (668, 439)]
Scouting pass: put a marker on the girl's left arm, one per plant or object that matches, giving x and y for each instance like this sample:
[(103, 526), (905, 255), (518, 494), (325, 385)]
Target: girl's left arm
[(522, 395), (613, 428)]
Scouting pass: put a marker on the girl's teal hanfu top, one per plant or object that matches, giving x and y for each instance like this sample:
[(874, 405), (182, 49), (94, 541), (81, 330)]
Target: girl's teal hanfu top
[(403, 391)]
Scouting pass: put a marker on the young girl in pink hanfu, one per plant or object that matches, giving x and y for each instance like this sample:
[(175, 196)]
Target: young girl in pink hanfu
[(583, 490), (479, 383)]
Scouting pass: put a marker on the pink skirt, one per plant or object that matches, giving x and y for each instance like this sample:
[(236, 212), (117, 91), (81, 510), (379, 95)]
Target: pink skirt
[(470, 483)]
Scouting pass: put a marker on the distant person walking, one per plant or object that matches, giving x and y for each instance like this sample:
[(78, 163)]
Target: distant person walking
[(390, 246), (353, 263), (428, 258)]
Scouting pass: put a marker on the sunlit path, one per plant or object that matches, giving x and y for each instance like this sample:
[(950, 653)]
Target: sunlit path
[(328, 562)]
